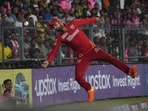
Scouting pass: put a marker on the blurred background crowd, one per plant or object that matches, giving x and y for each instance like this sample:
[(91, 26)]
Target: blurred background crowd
[(24, 32)]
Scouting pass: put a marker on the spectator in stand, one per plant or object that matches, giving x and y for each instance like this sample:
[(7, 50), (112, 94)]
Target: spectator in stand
[(145, 21), (47, 14), (77, 7), (77, 15), (37, 11), (55, 12), (65, 4), (34, 52), (61, 12), (86, 13), (96, 32), (40, 25), (140, 49), (5, 21), (7, 6), (5, 51), (69, 15), (109, 45), (17, 3), (99, 4), (106, 4), (41, 46), (107, 24), (20, 20), (9, 16), (135, 20), (14, 45), (46, 2), (94, 12), (103, 44), (25, 4), (40, 4), (48, 43), (27, 45), (91, 3), (32, 15), (97, 10), (96, 40), (128, 20), (144, 49), (132, 51), (14, 13)]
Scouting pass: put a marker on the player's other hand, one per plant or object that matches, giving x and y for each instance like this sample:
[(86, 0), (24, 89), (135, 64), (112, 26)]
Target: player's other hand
[(44, 64)]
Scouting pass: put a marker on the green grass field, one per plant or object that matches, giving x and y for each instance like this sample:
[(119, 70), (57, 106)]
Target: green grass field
[(98, 105)]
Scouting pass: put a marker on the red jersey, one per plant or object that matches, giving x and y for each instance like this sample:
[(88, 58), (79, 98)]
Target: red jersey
[(74, 37)]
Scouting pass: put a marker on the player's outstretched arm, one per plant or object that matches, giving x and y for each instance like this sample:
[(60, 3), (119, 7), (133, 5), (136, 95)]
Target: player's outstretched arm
[(81, 22), (44, 64)]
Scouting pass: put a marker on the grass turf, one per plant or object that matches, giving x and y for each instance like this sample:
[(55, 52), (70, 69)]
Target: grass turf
[(98, 105)]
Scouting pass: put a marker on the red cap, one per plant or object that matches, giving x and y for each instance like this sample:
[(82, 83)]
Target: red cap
[(53, 21)]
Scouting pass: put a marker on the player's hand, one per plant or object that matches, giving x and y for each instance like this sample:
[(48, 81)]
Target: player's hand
[(44, 64), (101, 20)]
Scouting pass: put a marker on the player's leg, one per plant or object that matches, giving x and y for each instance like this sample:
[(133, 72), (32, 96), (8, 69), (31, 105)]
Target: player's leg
[(81, 67), (104, 56)]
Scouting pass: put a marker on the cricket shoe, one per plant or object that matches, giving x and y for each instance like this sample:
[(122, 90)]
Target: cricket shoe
[(91, 94), (133, 71)]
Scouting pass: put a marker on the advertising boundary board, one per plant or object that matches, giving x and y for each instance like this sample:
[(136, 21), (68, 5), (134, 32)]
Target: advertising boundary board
[(57, 85)]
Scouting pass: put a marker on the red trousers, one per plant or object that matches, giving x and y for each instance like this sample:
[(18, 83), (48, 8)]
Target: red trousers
[(96, 54)]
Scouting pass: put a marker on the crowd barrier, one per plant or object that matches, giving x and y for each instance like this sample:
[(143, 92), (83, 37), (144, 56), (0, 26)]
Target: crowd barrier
[(57, 85)]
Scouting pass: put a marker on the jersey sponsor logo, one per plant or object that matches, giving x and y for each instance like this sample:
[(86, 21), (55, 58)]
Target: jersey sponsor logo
[(70, 37), (96, 50), (64, 35)]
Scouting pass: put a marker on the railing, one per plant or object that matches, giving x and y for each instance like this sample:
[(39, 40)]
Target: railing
[(34, 43)]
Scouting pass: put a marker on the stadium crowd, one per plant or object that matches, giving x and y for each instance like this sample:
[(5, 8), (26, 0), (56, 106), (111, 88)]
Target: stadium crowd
[(33, 17)]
